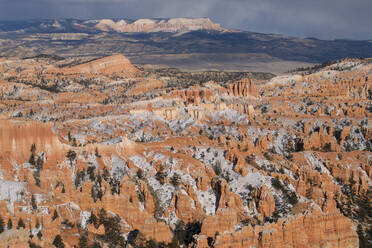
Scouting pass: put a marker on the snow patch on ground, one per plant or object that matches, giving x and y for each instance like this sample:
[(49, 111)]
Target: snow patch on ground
[(255, 180), (118, 168), (281, 141), (89, 159), (184, 178), (39, 198), (84, 218), (159, 156), (81, 138), (11, 191), (208, 201), (163, 192), (315, 163), (112, 141), (1, 174), (237, 183), (181, 124), (171, 219), (141, 204), (141, 163), (35, 231), (230, 115)]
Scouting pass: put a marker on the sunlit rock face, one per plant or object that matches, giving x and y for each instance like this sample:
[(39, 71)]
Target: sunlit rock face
[(104, 153), (173, 25)]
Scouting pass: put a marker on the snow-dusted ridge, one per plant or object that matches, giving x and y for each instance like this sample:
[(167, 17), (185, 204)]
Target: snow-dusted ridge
[(173, 25)]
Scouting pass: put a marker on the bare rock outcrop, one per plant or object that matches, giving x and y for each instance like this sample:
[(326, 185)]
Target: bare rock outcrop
[(243, 88)]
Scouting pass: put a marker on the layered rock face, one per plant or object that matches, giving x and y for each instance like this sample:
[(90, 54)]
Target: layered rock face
[(301, 231), (115, 64), (243, 88), (100, 155)]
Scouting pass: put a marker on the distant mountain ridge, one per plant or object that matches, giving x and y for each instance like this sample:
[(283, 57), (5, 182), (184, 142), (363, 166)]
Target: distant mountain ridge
[(153, 25), (148, 25), (186, 43)]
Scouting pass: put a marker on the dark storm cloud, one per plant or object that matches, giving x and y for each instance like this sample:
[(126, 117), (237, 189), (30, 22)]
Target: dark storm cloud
[(327, 19)]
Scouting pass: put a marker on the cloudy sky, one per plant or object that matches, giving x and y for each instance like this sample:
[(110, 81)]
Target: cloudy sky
[(325, 19)]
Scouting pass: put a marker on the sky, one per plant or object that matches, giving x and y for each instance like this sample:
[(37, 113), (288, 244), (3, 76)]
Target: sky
[(323, 19)]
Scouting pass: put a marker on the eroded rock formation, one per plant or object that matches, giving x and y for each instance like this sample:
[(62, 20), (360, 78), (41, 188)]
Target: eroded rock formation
[(101, 154)]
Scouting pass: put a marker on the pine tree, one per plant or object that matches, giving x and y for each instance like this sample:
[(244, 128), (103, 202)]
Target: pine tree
[(36, 175), (77, 181), (39, 235), (57, 242), (69, 136), (55, 215), (39, 163), (20, 224), (10, 224), (32, 245), (95, 245), (33, 202), (83, 240), (93, 220), (37, 225), (140, 173), (161, 175), (2, 225), (97, 153), (33, 149), (31, 160), (32, 156), (175, 180), (71, 155)]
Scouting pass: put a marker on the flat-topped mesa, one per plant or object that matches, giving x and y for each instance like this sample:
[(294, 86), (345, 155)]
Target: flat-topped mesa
[(173, 25), (108, 65)]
